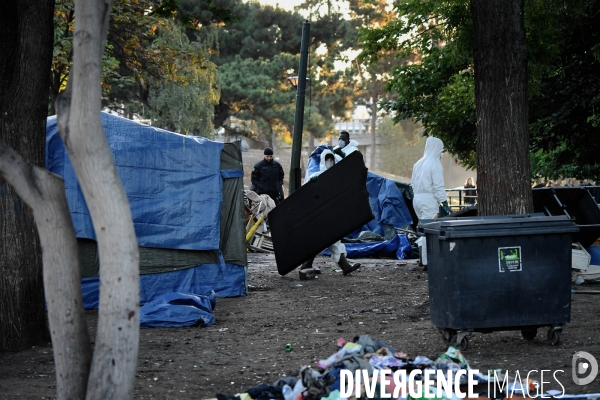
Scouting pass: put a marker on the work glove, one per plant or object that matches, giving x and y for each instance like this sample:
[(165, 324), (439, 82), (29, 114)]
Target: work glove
[(339, 152), (446, 207)]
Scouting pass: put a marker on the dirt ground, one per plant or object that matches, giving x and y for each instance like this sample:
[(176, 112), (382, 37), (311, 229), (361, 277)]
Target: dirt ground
[(386, 299)]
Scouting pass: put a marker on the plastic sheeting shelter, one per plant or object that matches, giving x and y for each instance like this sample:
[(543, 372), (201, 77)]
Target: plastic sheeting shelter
[(390, 207), (186, 199)]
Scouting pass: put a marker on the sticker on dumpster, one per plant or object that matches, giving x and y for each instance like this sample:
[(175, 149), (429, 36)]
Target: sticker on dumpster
[(509, 259)]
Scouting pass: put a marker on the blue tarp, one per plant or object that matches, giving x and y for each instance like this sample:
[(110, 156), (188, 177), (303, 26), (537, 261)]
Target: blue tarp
[(226, 280), (177, 310), (173, 183), (399, 245), (386, 200), (595, 254)]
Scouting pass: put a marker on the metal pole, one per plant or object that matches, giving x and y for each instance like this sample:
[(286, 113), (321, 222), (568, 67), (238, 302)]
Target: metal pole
[(295, 170)]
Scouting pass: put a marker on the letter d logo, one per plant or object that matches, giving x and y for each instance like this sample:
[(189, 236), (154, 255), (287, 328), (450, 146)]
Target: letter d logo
[(584, 363)]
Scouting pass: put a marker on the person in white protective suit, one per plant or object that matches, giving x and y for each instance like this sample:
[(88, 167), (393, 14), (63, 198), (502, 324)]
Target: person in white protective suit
[(428, 186), (338, 250)]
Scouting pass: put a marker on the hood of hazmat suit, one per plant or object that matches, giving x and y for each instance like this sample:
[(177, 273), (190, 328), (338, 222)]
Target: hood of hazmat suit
[(322, 167)]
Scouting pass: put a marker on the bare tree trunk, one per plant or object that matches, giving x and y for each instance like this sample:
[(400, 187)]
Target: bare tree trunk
[(375, 99), (115, 355), (310, 147), (500, 55), (273, 139), (26, 34), (44, 192)]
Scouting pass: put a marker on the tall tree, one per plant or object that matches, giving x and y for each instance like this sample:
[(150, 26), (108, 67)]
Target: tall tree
[(438, 88), (500, 63), (111, 374), (26, 48), (114, 361), (374, 75)]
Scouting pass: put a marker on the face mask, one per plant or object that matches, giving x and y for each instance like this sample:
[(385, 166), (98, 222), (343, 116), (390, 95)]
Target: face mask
[(341, 143), (328, 164)]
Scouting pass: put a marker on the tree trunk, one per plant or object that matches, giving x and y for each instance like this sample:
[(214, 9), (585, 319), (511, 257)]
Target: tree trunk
[(310, 146), (26, 32), (44, 192), (273, 139), (115, 355), (375, 99), (500, 59)]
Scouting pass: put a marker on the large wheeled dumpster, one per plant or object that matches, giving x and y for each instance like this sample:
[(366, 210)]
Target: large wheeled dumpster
[(499, 273)]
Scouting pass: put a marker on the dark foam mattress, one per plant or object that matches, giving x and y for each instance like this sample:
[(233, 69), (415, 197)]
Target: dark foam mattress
[(320, 213)]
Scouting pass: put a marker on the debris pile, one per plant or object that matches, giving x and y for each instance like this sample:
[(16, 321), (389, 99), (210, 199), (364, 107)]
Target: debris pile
[(369, 369)]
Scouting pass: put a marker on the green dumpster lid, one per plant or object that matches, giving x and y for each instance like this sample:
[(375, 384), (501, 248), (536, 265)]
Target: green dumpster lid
[(497, 225)]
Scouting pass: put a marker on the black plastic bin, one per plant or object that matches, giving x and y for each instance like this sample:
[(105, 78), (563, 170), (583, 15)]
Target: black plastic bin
[(499, 273), (574, 202)]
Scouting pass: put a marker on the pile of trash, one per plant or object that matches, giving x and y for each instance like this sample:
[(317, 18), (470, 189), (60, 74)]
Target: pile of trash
[(369, 369), (585, 264)]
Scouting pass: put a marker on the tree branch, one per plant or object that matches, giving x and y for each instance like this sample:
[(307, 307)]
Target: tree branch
[(20, 175)]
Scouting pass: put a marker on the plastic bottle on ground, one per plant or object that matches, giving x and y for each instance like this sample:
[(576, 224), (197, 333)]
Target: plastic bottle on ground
[(286, 391)]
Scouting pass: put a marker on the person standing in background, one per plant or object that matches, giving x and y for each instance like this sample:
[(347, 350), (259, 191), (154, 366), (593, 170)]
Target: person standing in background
[(267, 177), (428, 187)]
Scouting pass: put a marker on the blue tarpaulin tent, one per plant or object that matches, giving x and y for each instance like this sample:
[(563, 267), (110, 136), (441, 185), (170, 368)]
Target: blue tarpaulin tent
[(389, 206), (186, 198)]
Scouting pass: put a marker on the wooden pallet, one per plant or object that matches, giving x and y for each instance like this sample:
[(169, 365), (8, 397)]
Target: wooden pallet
[(261, 242)]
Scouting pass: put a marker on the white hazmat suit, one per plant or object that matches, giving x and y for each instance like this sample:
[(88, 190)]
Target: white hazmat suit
[(349, 148), (428, 185)]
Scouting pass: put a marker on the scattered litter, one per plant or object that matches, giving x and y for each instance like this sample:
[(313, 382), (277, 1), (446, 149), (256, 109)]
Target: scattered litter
[(374, 356)]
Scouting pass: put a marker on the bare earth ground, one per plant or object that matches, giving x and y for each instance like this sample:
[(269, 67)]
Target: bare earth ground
[(386, 299)]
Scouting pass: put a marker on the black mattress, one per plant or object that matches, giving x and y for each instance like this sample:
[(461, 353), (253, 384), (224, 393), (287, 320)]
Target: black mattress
[(320, 213)]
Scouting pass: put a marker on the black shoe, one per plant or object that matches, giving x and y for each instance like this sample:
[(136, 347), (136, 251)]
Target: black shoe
[(308, 264), (346, 267), (307, 274)]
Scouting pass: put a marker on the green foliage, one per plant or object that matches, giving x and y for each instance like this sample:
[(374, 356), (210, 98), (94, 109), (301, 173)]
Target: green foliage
[(256, 54), (436, 86), (185, 100), (563, 113), (64, 26), (150, 67)]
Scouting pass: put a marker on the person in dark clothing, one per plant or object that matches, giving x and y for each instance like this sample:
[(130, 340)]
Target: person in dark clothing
[(267, 177), (470, 195)]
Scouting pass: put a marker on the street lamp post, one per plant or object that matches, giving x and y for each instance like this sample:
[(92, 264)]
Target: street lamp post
[(300, 83)]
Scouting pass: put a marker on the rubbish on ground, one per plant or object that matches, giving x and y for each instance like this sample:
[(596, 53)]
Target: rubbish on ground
[(258, 235), (592, 275), (370, 359), (580, 257), (288, 347)]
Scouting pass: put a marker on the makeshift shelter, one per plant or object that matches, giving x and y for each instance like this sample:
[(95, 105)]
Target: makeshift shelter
[(391, 203), (186, 198)]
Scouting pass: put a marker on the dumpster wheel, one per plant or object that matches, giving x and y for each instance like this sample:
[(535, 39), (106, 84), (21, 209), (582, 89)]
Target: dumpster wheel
[(460, 340), (554, 335), (463, 344)]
